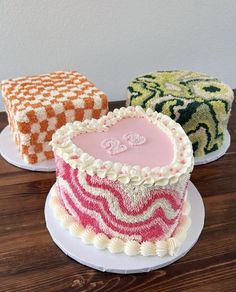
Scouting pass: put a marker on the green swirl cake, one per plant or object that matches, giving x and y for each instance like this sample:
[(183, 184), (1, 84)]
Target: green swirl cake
[(200, 103)]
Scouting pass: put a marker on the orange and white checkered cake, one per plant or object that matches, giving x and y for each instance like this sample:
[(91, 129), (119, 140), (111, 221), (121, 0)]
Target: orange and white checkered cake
[(38, 105)]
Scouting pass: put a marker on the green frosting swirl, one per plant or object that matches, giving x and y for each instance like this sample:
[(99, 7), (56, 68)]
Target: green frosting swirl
[(200, 103)]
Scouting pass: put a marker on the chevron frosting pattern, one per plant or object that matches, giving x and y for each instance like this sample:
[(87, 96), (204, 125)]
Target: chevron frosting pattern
[(200, 103)]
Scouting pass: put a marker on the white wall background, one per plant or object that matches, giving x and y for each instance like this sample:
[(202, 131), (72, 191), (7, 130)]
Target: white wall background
[(111, 41)]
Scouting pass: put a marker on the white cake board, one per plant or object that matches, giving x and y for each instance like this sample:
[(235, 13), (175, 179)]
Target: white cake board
[(215, 154), (105, 261), (10, 153)]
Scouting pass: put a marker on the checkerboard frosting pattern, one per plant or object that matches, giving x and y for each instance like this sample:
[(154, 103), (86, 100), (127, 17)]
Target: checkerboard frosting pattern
[(37, 106)]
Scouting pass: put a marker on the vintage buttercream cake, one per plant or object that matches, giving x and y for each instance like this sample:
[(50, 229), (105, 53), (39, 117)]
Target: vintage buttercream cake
[(122, 182), (38, 105), (200, 103)]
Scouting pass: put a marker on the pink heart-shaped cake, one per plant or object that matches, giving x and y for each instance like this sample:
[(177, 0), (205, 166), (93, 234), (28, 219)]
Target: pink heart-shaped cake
[(122, 179)]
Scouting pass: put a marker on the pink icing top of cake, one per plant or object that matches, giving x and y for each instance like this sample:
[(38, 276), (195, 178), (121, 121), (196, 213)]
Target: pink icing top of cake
[(132, 141)]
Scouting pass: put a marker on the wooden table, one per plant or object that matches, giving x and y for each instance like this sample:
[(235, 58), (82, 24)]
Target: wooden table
[(30, 261)]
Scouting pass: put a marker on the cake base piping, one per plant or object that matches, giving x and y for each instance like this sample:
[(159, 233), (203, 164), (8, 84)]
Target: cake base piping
[(161, 248)]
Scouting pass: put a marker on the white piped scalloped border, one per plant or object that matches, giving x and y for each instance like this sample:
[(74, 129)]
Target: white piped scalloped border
[(116, 245), (182, 163)]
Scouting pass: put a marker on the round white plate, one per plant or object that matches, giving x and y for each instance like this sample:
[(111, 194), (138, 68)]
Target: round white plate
[(10, 153), (105, 261), (215, 154)]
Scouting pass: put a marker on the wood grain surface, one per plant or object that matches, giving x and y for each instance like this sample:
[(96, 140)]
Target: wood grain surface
[(30, 261)]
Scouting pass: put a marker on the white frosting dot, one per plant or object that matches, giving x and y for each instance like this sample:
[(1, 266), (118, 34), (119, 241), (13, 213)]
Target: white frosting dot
[(132, 248), (66, 220), (180, 234), (186, 208), (112, 175), (148, 248), (185, 222), (124, 179), (59, 211), (76, 229), (172, 246), (116, 245), (88, 236), (161, 248), (54, 200), (101, 241), (53, 192)]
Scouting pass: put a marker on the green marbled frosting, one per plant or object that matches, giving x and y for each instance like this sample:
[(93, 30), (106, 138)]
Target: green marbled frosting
[(200, 103)]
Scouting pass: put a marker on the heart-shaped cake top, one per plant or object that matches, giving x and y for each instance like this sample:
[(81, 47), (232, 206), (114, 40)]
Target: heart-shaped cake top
[(132, 141), (129, 145)]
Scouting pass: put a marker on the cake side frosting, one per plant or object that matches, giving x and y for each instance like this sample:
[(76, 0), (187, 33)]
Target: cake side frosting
[(130, 247), (200, 103), (118, 210)]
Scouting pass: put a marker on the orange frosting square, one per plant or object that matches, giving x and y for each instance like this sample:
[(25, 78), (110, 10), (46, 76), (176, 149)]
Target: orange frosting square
[(38, 105)]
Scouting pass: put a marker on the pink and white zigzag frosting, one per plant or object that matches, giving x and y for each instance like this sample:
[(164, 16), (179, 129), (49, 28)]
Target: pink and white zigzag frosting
[(118, 211), (131, 247)]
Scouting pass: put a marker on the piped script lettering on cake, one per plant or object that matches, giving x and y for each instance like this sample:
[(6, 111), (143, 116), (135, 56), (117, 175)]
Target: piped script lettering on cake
[(113, 146), (134, 138), (133, 201)]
